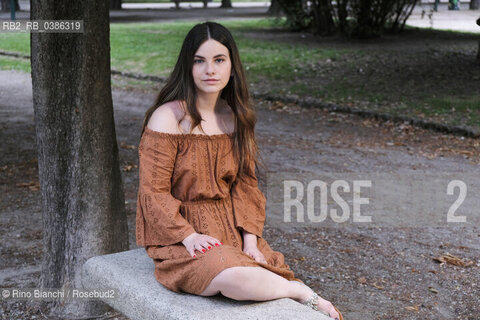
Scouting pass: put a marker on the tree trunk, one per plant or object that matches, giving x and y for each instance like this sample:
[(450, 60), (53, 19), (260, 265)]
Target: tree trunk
[(275, 9), (324, 23), (81, 185), (474, 4), (226, 4), (5, 6), (478, 52), (115, 4)]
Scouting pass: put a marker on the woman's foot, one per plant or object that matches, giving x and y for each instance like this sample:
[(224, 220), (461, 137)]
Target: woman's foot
[(305, 294), (328, 308)]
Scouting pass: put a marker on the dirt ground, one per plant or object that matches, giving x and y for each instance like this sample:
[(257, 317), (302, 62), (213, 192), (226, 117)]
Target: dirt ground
[(368, 271)]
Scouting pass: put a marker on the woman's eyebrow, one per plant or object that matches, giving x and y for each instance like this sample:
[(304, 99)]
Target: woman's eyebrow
[(218, 55)]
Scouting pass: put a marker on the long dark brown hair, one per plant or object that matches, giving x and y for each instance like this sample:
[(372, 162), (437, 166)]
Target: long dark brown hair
[(181, 86)]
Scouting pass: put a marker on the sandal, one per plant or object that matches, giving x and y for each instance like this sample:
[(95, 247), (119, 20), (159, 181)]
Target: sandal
[(312, 303)]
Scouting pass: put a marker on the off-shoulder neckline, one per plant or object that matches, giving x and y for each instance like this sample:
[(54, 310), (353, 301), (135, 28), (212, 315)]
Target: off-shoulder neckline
[(189, 135)]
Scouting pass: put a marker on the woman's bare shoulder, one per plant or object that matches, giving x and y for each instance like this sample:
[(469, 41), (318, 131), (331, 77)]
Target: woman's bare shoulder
[(166, 117)]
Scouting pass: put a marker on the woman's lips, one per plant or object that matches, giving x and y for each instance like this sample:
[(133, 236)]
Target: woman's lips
[(211, 81)]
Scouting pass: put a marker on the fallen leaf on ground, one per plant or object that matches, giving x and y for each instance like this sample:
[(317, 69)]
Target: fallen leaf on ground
[(430, 156), (451, 259), (362, 280), (32, 185), (377, 286), (299, 259), (127, 146), (415, 307), (129, 167)]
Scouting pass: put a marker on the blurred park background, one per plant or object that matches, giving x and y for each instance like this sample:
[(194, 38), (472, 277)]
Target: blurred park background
[(402, 68)]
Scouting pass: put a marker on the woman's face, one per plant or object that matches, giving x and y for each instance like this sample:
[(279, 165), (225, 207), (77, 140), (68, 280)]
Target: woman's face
[(211, 61)]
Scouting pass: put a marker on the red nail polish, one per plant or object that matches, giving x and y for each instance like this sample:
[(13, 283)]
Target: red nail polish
[(221, 243), (204, 250), (194, 255), (216, 244), (209, 247)]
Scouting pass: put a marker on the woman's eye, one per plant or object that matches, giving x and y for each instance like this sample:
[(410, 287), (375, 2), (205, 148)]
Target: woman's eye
[(198, 60)]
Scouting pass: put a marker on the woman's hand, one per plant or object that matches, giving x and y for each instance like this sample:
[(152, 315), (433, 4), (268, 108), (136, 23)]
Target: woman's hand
[(200, 242), (250, 246), (253, 252)]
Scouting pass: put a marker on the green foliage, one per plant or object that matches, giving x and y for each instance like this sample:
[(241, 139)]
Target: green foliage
[(353, 18)]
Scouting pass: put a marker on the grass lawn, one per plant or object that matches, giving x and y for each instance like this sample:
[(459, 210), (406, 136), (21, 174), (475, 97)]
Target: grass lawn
[(420, 73), (10, 63)]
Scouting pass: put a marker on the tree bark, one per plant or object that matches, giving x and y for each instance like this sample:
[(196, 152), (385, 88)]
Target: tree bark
[(324, 23), (474, 4), (115, 4), (81, 185), (275, 9), (478, 52), (5, 6), (226, 4)]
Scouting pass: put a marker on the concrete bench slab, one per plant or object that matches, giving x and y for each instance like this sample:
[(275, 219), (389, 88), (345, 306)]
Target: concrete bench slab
[(139, 296)]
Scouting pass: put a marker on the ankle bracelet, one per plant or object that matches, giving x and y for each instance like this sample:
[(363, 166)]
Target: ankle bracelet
[(312, 302)]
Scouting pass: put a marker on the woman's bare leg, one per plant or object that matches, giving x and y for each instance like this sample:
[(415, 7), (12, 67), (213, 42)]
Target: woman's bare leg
[(260, 284)]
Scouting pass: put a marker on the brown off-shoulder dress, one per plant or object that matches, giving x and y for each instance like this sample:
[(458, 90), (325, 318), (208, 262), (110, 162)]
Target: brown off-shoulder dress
[(188, 183)]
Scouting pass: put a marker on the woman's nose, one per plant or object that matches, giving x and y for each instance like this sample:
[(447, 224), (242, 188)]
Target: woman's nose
[(210, 68)]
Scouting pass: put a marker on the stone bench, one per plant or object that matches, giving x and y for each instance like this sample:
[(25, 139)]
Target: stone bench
[(139, 296)]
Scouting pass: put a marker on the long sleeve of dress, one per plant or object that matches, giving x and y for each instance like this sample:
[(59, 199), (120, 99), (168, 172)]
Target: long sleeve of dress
[(158, 220), (249, 203)]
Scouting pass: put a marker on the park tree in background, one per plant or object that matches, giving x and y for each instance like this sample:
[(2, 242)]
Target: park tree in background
[(474, 4), (478, 52), (5, 5), (81, 186), (357, 18), (226, 4), (115, 4), (274, 9)]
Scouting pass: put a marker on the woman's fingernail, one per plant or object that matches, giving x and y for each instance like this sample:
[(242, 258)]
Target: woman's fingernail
[(204, 250), (194, 255), (221, 243), (216, 244), (209, 247)]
